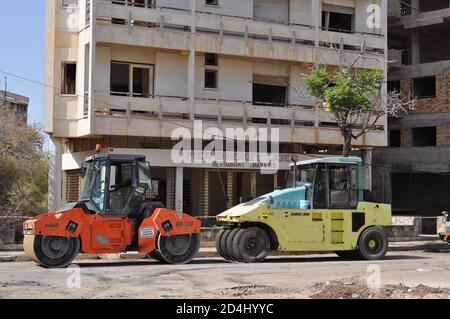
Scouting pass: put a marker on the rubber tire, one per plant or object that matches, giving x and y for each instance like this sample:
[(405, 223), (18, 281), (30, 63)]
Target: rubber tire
[(348, 254), (237, 237), (157, 256), (182, 259), (223, 244), (263, 241), (229, 244), (370, 234), (62, 262), (218, 241)]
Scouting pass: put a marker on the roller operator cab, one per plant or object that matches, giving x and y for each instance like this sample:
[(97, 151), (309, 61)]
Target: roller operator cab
[(113, 215), (325, 207)]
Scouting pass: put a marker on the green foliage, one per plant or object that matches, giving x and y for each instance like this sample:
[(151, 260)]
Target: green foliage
[(318, 82), (346, 92), (349, 94), (23, 168)]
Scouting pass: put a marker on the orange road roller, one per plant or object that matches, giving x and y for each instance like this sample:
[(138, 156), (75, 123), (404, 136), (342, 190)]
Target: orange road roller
[(113, 215)]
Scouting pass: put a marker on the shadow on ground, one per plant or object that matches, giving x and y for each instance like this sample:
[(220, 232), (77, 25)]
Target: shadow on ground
[(218, 261)]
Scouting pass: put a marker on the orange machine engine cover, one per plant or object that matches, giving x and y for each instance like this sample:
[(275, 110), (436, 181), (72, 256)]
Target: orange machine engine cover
[(166, 223), (99, 235)]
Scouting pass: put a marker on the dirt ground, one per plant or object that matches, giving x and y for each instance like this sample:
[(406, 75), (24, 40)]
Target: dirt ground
[(355, 288), (401, 275)]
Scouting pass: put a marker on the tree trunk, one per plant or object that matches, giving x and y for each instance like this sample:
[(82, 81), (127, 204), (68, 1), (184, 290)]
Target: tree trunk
[(347, 147)]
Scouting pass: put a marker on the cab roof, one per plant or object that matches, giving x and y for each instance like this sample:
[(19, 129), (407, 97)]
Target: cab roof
[(116, 157), (332, 160)]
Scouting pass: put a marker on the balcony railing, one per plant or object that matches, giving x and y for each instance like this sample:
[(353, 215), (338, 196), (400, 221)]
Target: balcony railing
[(214, 110), (225, 26)]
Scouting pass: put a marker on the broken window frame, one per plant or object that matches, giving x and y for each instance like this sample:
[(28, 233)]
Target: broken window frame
[(274, 81), (424, 96), (212, 68), (215, 85), (65, 89), (327, 10), (131, 87), (425, 140), (395, 138), (212, 3)]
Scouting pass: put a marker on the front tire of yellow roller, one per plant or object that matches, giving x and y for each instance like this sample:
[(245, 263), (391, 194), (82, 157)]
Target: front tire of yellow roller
[(55, 252), (253, 245), (373, 244)]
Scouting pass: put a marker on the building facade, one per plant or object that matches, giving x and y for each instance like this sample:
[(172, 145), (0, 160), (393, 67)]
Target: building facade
[(132, 71), (15, 103), (413, 172)]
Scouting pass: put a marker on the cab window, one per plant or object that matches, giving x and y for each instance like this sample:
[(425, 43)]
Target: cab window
[(343, 192), (121, 183)]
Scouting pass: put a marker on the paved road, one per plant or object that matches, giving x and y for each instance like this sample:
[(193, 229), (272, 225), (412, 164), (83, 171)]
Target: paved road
[(279, 277)]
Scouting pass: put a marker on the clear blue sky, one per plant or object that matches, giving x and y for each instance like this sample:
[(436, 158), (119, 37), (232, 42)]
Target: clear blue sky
[(22, 47)]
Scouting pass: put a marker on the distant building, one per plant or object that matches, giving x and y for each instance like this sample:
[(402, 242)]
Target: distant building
[(16, 103), (413, 172)]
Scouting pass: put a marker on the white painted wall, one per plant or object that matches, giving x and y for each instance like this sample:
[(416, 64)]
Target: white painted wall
[(171, 74), (235, 80)]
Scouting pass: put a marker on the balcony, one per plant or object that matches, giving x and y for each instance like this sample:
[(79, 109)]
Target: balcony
[(169, 28), (160, 115)]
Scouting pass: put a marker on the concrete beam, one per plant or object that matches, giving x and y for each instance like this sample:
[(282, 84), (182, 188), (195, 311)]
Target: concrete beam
[(419, 70)]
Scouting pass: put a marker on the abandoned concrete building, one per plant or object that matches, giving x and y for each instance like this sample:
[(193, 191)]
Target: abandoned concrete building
[(132, 71), (413, 172), (16, 104)]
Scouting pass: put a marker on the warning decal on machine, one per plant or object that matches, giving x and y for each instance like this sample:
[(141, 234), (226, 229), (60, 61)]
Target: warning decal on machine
[(147, 232)]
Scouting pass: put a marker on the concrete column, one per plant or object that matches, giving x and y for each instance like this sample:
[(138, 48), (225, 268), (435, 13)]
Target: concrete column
[(179, 189), (92, 60), (415, 47), (55, 175), (50, 40), (191, 62), (316, 13)]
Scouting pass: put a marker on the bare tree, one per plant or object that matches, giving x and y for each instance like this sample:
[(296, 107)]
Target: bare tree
[(356, 97)]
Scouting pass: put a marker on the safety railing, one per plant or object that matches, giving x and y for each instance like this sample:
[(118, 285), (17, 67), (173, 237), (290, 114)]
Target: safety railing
[(227, 26)]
